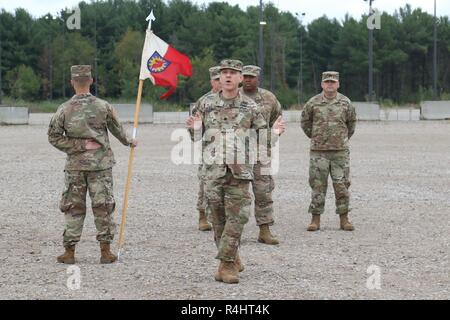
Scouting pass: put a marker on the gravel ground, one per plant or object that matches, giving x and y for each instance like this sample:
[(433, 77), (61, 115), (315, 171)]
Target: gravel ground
[(400, 199)]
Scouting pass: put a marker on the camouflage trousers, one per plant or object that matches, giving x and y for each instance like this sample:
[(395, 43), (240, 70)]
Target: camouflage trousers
[(229, 202), (201, 202), (73, 204), (263, 185), (336, 164)]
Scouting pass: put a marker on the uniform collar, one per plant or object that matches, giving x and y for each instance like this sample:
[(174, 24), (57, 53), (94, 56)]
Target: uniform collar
[(258, 91), (236, 100), (81, 96), (324, 99)]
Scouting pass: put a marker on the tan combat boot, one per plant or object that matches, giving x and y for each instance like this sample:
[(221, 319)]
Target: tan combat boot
[(315, 223), (265, 236), (238, 263), (203, 224), (68, 256), (218, 274), (227, 272), (345, 224), (107, 255)]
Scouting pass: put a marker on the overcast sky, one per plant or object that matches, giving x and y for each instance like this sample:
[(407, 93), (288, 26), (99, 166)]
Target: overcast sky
[(313, 8)]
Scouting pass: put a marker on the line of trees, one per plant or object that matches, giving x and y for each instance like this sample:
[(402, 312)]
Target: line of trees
[(36, 54)]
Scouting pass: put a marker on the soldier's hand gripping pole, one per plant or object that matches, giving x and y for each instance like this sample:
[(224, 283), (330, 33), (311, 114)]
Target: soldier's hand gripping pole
[(130, 170)]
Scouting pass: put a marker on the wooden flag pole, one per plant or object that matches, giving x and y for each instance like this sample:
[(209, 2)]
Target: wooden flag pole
[(130, 169)]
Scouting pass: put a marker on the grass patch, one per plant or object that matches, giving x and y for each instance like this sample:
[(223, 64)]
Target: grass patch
[(34, 106), (51, 106)]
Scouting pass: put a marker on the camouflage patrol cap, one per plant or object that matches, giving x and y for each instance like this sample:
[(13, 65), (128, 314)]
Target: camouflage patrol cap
[(250, 70), (231, 64), (81, 71), (214, 73), (330, 76)]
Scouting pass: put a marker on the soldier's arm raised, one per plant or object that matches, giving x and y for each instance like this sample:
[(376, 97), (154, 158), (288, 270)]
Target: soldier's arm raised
[(307, 120), (351, 120), (194, 123), (58, 139), (115, 127)]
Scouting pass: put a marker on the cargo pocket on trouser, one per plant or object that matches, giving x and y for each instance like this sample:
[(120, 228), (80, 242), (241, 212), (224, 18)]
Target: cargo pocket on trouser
[(101, 191), (347, 180), (64, 203), (237, 209), (73, 198), (237, 201), (103, 203)]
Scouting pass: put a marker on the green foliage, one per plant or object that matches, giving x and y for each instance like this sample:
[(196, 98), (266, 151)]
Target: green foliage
[(24, 84), (35, 106), (445, 96), (287, 96), (128, 56), (112, 33), (199, 83)]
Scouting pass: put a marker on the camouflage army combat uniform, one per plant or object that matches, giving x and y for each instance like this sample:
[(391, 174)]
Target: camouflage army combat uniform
[(329, 124), (227, 184), (263, 184), (214, 74), (86, 117)]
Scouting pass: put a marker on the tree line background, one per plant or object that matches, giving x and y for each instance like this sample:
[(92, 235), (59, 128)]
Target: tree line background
[(36, 54)]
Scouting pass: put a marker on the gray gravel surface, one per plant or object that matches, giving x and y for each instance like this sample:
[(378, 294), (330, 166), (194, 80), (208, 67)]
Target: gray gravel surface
[(400, 199)]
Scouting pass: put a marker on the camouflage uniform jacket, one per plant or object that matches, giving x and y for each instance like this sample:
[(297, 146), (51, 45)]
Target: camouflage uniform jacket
[(329, 123), (86, 117), (219, 117), (269, 105)]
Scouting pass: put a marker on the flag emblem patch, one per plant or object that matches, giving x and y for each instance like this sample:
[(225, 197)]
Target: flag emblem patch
[(157, 64)]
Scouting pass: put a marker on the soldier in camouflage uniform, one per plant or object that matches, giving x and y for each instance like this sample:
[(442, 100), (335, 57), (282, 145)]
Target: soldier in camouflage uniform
[(329, 120), (226, 116), (263, 184), (203, 225), (80, 129)]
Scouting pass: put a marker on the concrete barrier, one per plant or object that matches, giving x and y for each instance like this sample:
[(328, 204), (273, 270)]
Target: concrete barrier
[(126, 112), (367, 110), (40, 118), (13, 115), (435, 110), (400, 114), (170, 117), (364, 111), (292, 115)]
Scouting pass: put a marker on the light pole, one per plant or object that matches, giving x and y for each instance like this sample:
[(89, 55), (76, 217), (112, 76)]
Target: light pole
[(261, 44), (370, 54), (435, 55), (49, 18), (63, 60), (300, 75), (95, 58)]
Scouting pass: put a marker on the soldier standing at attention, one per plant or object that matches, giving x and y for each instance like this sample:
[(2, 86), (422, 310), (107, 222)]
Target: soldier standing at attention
[(263, 184), (80, 129), (329, 120), (227, 181), (203, 225)]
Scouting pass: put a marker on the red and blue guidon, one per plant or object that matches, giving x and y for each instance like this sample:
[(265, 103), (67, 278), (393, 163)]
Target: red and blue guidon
[(157, 64)]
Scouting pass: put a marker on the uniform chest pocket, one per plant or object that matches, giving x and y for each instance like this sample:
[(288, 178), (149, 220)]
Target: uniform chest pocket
[(212, 120), (340, 112)]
